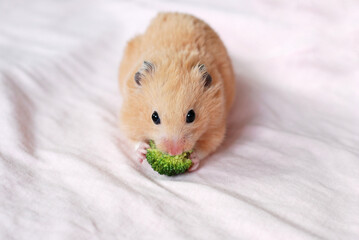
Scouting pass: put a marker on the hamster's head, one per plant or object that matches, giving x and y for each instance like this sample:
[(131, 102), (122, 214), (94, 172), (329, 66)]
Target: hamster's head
[(173, 103)]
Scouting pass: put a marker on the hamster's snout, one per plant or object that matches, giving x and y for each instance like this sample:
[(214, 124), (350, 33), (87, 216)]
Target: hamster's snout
[(173, 147)]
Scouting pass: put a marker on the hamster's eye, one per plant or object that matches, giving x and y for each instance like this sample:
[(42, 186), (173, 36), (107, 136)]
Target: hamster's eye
[(155, 118), (190, 116)]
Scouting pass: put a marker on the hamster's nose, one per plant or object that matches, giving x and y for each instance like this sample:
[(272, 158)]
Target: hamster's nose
[(174, 147)]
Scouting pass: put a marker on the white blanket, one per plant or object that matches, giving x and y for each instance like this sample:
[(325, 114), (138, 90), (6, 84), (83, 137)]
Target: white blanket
[(288, 169)]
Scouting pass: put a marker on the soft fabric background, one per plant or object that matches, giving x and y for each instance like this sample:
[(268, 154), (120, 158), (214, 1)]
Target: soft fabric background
[(289, 168)]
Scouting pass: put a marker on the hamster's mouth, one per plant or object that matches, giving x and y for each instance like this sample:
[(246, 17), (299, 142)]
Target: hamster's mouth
[(173, 147)]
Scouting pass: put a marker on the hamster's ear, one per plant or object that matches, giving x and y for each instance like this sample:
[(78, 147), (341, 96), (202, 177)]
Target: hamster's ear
[(138, 77), (206, 77), (148, 68)]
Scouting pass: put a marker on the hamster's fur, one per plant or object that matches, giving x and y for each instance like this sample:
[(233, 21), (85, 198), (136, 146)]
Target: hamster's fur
[(179, 64)]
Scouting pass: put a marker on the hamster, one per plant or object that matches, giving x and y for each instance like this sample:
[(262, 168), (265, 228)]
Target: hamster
[(178, 86)]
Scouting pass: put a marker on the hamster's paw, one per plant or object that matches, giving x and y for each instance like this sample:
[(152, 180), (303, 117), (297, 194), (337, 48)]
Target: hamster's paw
[(195, 158), (141, 151)]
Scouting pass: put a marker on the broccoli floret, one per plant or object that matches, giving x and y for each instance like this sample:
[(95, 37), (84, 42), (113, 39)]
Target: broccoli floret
[(166, 164)]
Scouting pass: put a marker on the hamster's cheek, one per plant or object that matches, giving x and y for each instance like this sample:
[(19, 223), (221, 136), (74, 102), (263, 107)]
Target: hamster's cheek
[(160, 145), (189, 145)]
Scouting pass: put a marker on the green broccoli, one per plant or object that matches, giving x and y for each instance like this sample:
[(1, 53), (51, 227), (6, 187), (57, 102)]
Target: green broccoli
[(166, 164)]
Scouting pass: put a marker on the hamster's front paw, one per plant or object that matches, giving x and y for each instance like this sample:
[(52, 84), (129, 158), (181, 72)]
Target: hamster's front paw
[(141, 151), (195, 158)]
